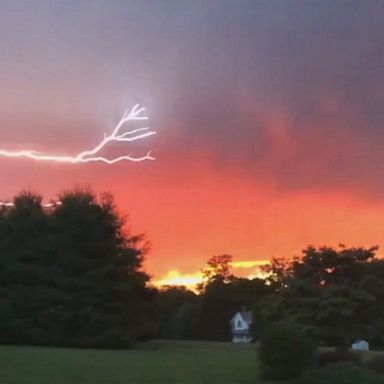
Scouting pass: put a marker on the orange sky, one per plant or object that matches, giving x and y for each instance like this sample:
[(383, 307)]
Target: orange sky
[(191, 209), (212, 213)]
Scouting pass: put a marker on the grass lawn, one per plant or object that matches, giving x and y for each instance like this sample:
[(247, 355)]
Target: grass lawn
[(157, 362)]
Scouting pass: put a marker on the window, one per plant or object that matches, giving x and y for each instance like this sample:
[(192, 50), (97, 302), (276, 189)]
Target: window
[(238, 324)]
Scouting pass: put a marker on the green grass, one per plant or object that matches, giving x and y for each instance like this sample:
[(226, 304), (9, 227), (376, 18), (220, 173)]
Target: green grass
[(155, 362)]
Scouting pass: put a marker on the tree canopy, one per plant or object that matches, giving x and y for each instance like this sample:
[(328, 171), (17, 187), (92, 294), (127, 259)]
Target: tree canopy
[(337, 294), (70, 275)]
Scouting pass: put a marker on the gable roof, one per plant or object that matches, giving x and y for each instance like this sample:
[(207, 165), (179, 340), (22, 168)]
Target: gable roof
[(246, 316)]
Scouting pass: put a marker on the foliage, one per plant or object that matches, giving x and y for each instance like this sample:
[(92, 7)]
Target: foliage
[(181, 314), (285, 352), (218, 270), (221, 300), (176, 313), (336, 294), (337, 356), (70, 275), (342, 373)]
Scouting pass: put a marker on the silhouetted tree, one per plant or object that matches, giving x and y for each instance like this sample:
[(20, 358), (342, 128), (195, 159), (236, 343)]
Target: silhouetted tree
[(176, 312), (218, 269), (222, 295), (70, 275), (336, 294)]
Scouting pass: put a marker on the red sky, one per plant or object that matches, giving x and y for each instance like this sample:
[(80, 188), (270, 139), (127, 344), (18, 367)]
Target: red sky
[(212, 212), (269, 118)]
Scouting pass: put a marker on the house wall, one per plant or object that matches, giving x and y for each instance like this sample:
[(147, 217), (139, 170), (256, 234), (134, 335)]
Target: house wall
[(240, 330)]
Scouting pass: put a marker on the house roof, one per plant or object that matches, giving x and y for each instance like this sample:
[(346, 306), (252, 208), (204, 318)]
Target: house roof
[(245, 315)]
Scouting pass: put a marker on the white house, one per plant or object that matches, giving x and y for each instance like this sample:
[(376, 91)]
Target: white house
[(360, 345), (241, 327)]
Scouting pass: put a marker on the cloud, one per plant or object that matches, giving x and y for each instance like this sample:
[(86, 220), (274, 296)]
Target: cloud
[(248, 264), (265, 112), (287, 90)]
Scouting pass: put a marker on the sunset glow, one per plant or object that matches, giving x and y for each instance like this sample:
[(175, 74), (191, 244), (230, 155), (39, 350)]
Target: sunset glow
[(246, 269), (175, 278), (248, 264)]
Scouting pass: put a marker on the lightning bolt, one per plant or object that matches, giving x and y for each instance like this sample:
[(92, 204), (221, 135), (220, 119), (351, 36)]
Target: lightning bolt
[(47, 205), (92, 155)]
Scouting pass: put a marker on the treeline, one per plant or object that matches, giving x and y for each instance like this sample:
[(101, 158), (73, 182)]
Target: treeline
[(70, 275), (183, 314), (335, 295)]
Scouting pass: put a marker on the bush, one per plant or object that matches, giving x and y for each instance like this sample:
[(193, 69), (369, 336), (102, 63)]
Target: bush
[(342, 373), (285, 352), (337, 356)]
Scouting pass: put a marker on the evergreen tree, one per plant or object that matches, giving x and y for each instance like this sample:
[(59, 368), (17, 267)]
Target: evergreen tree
[(71, 275)]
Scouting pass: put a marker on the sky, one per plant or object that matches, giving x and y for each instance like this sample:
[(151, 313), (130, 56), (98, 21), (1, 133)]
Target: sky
[(268, 115)]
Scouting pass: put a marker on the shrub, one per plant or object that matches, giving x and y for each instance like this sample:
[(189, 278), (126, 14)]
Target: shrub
[(338, 356), (342, 373), (285, 352)]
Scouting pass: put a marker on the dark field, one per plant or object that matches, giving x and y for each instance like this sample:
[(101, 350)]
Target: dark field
[(154, 362)]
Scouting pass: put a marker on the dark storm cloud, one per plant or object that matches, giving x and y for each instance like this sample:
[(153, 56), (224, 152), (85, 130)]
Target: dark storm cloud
[(290, 90), (319, 63)]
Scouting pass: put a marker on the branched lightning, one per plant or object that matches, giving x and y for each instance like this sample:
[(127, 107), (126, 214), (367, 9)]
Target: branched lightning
[(92, 155)]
